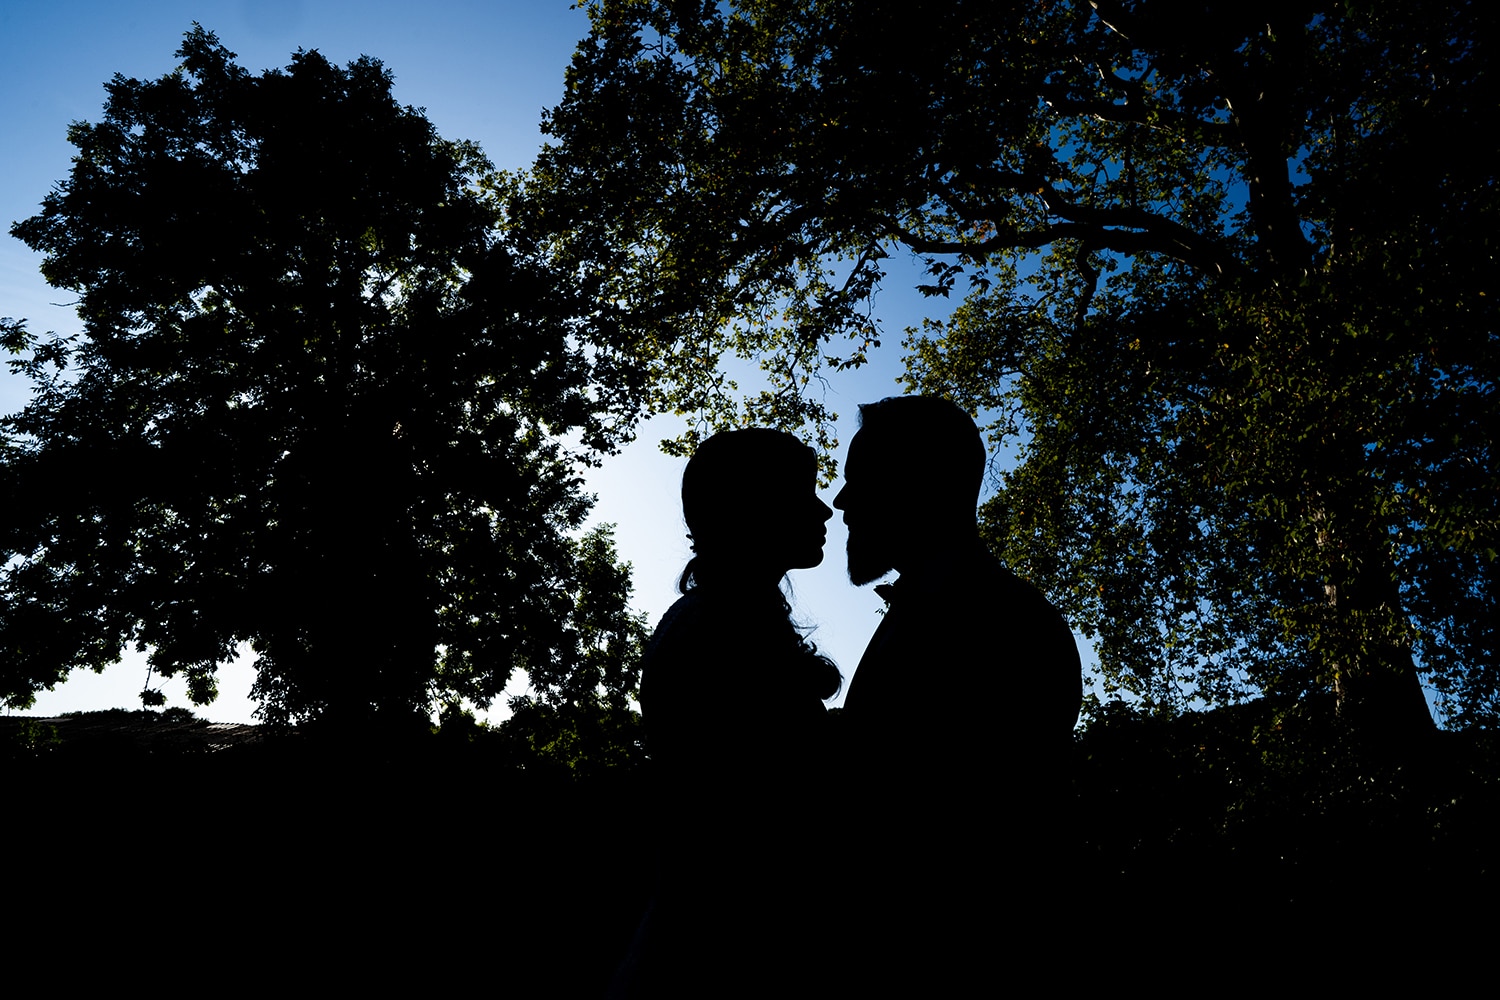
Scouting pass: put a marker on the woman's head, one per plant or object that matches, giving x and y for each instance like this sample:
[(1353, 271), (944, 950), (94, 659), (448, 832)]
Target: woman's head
[(750, 502)]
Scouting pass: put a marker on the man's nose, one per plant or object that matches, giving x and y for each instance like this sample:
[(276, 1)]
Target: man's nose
[(827, 510), (838, 501)]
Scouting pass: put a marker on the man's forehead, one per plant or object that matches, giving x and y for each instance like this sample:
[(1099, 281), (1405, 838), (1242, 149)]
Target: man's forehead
[(866, 454), (855, 452)]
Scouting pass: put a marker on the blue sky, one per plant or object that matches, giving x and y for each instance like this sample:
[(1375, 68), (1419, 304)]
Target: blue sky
[(482, 71)]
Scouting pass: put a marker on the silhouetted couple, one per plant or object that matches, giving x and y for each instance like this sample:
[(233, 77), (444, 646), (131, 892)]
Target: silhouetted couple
[(893, 854)]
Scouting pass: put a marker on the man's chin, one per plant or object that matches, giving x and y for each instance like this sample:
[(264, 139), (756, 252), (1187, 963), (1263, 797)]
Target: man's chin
[(863, 569)]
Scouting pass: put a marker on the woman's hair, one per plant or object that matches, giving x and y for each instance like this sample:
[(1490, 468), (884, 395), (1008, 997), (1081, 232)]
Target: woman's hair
[(727, 485)]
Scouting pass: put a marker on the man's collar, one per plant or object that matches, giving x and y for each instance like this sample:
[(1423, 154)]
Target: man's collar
[(933, 571)]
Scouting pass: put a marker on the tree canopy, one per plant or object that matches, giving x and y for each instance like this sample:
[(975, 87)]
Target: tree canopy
[(1228, 281), (316, 406)]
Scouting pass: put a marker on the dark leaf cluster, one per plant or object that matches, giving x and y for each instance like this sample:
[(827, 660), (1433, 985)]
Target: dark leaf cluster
[(316, 406)]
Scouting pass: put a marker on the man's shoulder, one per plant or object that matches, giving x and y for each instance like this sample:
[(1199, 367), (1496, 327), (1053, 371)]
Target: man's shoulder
[(978, 580), (977, 611)]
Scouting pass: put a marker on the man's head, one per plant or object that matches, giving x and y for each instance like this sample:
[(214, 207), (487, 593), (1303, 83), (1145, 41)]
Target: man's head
[(911, 483)]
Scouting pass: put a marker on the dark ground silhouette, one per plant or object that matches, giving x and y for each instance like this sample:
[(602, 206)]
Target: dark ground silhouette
[(456, 863), (436, 863)]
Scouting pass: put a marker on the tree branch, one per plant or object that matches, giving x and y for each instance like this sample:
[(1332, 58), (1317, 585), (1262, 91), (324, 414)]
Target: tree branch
[(1171, 238), (1122, 230), (1208, 133)]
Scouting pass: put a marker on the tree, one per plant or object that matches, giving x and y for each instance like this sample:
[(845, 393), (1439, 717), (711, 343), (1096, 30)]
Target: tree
[(316, 406), (1226, 282)]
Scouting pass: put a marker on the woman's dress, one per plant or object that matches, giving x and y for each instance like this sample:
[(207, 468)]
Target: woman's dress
[(735, 730)]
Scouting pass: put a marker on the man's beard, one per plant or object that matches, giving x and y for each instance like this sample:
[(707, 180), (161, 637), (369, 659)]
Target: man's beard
[(866, 562)]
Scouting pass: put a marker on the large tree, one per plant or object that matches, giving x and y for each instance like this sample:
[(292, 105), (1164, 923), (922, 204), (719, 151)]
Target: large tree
[(1228, 276), (315, 406)]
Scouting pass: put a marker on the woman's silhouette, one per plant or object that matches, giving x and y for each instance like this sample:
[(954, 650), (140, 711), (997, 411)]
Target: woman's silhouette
[(732, 696)]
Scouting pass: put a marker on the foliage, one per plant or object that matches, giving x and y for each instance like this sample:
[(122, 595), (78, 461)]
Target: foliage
[(1283, 804), (1227, 284), (580, 740), (605, 639), (29, 737), (316, 406), (577, 716)]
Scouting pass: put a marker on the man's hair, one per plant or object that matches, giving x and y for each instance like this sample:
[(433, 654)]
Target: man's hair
[(929, 438)]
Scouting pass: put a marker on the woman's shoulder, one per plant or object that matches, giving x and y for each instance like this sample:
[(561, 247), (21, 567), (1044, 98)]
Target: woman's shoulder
[(686, 632), (720, 612), (689, 614), (706, 636)]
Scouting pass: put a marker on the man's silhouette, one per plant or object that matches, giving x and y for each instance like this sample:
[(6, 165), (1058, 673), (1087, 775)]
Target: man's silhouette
[(960, 715)]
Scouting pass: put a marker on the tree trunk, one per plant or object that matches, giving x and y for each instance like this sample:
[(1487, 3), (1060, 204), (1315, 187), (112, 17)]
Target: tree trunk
[(1382, 696), (1377, 692)]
